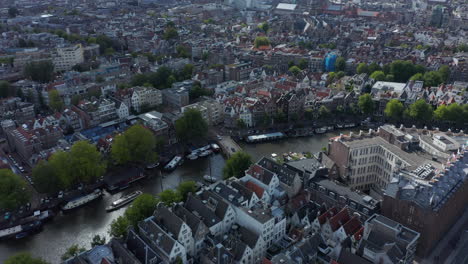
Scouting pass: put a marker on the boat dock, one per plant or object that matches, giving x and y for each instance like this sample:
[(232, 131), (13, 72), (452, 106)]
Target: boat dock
[(229, 146)]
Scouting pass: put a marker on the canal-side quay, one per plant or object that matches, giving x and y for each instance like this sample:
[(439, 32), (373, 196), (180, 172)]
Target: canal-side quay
[(80, 225)]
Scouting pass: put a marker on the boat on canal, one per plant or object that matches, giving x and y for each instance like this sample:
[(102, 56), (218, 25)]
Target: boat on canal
[(265, 137), (82, 200), (124, 200), (206, 153), (152, 165), (21, 230), (176, 161), (209, 178), (192, 156), (321, 130)]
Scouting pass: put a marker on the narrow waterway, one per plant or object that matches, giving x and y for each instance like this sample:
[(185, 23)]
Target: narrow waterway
[(79, 226)]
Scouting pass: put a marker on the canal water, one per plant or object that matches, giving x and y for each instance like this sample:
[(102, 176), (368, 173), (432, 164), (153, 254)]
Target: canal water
[(79, 226)]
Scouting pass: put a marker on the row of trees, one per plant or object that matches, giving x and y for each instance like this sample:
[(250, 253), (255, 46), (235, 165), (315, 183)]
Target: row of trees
[(136, 145), (419, 111), (402, 71), (13, 192), (82, 164), (163, 78), (145, 205)]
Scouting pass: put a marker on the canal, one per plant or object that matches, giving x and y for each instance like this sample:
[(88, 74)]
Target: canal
[(79, 226)]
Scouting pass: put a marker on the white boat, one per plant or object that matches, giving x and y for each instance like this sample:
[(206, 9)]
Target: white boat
[(206, 153), (209, 178), (126, 199), (215, 147), (192, 156), (177, 160), (82, 200), (321, 130), (152, 166)]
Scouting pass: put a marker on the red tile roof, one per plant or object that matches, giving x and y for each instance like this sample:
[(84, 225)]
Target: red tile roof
[(328, 214), (255, 188), (339, 219), (352, 226)]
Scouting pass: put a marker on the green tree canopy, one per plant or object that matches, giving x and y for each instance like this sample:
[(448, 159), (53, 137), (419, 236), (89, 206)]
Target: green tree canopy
[(453, 113), (261, 41), (143, 207), (169, 197), (340, 64), (365, 103), (362, 68), (394, 109), (170, 33), (13, 11), (421, 111), (24, 258), (374, 67), (403, 70), (98, 241), (13, 191), (119, 227), (5, 89), (46, 178), (417, 77), (444, 72), (324, 112), (432, 78), (185, 188), (303, 64), (264, 27), (72, 251), (191, 126), (236, 165), (295, 70), (378, 76), (41, 71), (86, 161), (55, 101), (137, 145)]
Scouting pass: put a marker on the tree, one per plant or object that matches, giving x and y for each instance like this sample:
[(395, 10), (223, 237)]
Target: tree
[(444, 72), (365, 103), (109, 51), (340, 64), (41, 71), (236, 165), (182, 52), (374, 67), (432, 78), (13, 11), (191, 126), (420, 111), (241, 124), (261, 41), (73, 251), (119, 227), (185, 188), (187, 71), (55, 101), (46, 179), (264, 27), (24, 258), (136, 145), (295, 70), (143, 207), (441, 113), (324, 112), (60, 163), (417, 77), (362, 68), (378, 76), (86, 161), (394, 109), (170, 33), (303, 64), (98, 241), (12, 190), (5, 89), (75, 100), (169, 197)]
